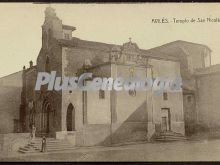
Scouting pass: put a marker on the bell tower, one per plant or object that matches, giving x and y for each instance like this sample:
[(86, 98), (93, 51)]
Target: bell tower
[(51, 29)]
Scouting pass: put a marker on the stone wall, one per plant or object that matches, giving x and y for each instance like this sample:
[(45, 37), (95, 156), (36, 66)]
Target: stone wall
[(175, 98), (12, 141), (208, 99), (46, 61), (130, 110), (119, 117), (10, 93), (30, 81)]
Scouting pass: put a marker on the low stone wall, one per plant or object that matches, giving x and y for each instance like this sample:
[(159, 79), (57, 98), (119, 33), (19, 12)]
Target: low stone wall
[(12, 141), (129, 132), (95, 134), (71, 137), (178, 127), (116, 133), (61, 134), (107, 134)]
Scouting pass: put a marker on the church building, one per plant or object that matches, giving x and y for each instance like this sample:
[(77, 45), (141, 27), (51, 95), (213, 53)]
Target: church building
[(104, 117)]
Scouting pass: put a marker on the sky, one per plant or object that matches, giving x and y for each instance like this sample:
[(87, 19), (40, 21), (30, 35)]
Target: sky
[(20, 27)]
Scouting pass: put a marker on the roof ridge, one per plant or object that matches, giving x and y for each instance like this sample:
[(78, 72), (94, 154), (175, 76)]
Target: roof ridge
[(10, 74), (176, 41)]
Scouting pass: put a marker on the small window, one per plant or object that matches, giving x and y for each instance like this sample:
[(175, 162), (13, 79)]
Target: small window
[(101, 94), (165, 96), (66, 36), (132, 92)]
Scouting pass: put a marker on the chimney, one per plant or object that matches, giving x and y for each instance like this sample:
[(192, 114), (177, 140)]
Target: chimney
[(31, 64)]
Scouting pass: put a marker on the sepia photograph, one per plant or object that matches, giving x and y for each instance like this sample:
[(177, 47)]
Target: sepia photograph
[(109, 82)]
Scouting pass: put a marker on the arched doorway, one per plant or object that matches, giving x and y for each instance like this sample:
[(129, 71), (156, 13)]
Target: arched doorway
[(70, 118), (45, 122)]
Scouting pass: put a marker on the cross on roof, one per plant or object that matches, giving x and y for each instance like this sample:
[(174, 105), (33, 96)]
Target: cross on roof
[(130, 39)]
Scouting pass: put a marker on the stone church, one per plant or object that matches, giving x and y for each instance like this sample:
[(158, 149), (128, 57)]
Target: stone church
[(108, 117)]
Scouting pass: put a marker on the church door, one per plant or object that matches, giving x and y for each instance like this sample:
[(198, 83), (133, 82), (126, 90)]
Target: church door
[(165, 120), (164, 124), (46, 117), (70, 118)]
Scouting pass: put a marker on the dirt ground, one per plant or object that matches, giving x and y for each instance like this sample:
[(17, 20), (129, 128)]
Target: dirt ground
[(203, 150)]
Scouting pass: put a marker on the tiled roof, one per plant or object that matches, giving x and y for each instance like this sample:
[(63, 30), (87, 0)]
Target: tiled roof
[(179, 43), (76, 42)]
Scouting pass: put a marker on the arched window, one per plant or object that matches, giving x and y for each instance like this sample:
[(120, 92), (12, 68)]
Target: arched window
[(132, 92), (47, 65), (70, 118)]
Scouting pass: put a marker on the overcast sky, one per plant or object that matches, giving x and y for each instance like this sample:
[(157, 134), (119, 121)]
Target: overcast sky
[(20, 27)]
